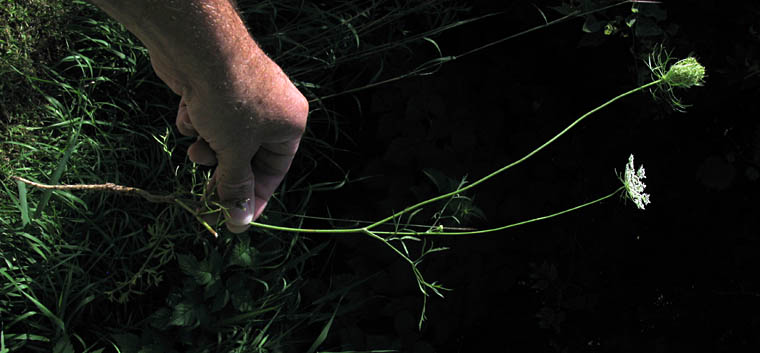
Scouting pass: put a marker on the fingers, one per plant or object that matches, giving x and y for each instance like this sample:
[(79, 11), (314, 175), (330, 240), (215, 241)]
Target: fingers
[(200, 152), (238, 159), (235, 189), (245, 192), (184, 125), (270, 165)]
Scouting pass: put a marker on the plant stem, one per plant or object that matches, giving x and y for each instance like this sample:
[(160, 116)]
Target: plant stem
[(574, 14), (366, 230), (375, 234), (126, 190), (491, 230), (501, 170), (436, 62), (307, 230), (197, 217)]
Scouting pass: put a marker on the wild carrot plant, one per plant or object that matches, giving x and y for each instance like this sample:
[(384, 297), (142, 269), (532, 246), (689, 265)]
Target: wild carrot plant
[(86, 271)]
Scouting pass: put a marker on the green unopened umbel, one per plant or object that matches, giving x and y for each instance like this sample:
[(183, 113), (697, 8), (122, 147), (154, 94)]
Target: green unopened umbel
[(685, 73)]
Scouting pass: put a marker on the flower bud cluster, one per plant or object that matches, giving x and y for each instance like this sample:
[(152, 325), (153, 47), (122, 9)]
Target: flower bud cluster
[(685, 73)]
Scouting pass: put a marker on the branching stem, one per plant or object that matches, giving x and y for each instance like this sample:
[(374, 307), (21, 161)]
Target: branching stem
[(368, 230)]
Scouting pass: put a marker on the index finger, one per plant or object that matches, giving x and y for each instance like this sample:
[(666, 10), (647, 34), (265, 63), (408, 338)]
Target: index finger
[(270, 164)]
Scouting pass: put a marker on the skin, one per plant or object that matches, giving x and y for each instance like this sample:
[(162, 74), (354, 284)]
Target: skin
[(247, 114)]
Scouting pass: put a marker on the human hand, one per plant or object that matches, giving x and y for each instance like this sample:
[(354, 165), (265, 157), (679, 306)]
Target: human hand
[(247, 114), (249, 124)]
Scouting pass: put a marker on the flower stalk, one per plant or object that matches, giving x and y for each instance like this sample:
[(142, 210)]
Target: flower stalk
[(685, 73)]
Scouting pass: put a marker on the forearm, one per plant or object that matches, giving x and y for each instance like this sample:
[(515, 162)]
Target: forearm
[(207, 36)]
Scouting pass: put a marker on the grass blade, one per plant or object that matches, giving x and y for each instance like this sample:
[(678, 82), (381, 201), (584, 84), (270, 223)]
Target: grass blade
[(23, 206), (325, 330), (58, 170), (42, 308)]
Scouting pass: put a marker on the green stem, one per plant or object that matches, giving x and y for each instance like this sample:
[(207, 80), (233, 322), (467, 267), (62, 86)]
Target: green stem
[(574, 14), (444, 59), (197, 217), (465, 188), (491, 230), (501, 170), (306, 230), (375, 234)]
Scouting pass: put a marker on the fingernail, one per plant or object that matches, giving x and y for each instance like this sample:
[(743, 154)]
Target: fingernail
[(241, 213)]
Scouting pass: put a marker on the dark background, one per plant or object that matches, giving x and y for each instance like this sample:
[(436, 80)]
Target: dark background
[(680, 276)]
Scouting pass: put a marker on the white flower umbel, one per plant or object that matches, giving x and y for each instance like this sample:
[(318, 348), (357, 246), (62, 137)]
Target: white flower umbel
[(634, 184)]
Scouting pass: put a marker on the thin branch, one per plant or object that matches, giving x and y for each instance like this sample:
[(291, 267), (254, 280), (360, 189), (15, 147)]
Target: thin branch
[(120, 189), (126, 190)]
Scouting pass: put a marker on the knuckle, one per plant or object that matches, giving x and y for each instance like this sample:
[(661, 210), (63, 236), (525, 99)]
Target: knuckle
[(296, 112)]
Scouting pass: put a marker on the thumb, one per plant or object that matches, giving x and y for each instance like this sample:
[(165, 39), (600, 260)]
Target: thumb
[(235, 188)]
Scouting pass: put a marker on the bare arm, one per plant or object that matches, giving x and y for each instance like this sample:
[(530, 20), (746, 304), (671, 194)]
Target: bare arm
[(248, 115), (202, 37)]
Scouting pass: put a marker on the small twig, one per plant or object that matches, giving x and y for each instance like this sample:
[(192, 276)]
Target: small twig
[(128, 190), (197, 217)]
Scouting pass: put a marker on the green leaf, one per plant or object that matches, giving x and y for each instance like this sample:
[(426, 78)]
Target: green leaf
[(220, 301), (199, 271), (183, 314), (60, 167), (564, 9), (441, 181), (212, 289), (187, 263), (240, 295), (23, 205), (592, 25), (215, 263), (325, 330), (42, 308), (160, 318), (242, 299), (63, 345), (242, 253)]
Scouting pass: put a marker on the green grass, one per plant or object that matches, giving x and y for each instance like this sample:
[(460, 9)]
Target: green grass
[(93, 271), (31, 37)]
